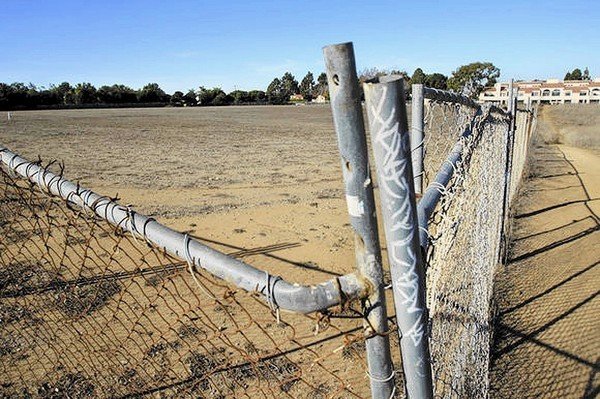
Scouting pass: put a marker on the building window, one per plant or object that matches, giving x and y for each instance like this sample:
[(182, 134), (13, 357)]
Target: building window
[(595, 92), (583, 93), (546, 92), (534, 93), (556, 92), (567, 93)]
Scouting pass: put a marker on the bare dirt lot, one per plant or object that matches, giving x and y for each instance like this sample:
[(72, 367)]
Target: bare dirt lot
[(261, 183), (245, 176)]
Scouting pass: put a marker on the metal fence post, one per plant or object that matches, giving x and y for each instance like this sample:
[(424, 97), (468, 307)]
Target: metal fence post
[(352, 142), (416, 135), (390, 141), (510, 140)]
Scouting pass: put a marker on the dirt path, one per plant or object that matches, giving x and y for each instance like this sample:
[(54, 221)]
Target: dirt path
[(547, 342)]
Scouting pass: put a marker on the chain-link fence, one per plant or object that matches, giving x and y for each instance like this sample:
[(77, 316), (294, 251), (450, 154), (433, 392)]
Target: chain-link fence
[(88, 309), (465, 234), (97, 300)]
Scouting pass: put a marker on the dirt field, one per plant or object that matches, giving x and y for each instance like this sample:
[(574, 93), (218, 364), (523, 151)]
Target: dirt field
[(263, 183), (245, 176), (548, 331), (576, 125)]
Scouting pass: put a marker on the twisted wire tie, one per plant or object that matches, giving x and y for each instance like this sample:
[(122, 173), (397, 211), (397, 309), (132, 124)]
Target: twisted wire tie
[(270, 297), (387, 379), (11, 168), (191, 265)]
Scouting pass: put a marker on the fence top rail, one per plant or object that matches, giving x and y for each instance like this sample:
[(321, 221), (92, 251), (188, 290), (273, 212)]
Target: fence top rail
[(276, 291), (434, 192), (449, 97)]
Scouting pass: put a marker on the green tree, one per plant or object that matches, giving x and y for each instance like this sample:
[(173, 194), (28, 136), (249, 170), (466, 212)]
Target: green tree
[(85, 93), (152, 93), (177, 99), (116, 94), (576, 74), (437, 81), (275, 92), (208, 96), (322, 86), (289, 85), (471, 79), (222, 99), (418, 77), (307, 85), (64, 92), (568, 76), (189, 98), (240, 97), (257, 96)]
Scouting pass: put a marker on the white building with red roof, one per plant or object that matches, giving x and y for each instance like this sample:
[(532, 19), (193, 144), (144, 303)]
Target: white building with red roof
[(551, 91)]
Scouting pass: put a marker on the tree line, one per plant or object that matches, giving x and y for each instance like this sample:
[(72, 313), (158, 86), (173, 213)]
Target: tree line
[(468, 79), (576, 74)]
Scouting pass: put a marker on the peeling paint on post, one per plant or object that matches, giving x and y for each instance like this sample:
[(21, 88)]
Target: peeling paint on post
[(352, 141), (390, 141)]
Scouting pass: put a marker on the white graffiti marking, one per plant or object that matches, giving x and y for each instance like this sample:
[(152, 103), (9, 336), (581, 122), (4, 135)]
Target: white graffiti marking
[(395, 183)]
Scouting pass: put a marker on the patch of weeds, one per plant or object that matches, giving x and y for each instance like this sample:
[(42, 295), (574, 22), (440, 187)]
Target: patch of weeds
[(201, 366), (72, 385), (157, 349), (188, 330), (14, 313), (157, 278), (10, 344), (21, 277), (320, 391), (278, 369), (8, 391), (76, 301), (354, 351)]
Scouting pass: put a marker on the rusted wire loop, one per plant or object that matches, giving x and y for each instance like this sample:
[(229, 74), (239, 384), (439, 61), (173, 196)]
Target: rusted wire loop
[(269, 286), (192, 266)]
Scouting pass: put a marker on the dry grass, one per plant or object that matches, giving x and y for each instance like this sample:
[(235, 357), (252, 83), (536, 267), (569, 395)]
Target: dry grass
[(576, 125)]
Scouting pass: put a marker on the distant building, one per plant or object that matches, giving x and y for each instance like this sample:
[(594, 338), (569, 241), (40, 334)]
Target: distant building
[(320, 99), (551, 91), (296, 97)]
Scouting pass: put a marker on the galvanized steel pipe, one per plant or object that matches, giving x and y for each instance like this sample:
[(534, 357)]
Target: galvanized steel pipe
[(386, 110), (288, 296), (352, 142)]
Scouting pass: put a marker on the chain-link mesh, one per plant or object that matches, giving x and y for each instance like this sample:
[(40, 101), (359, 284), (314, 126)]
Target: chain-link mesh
[(443, 125), (465, 232), (87, 310)]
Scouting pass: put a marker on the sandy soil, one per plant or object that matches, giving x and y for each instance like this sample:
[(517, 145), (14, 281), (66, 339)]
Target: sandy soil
[(242, 176), (263, 183), (548, 331)]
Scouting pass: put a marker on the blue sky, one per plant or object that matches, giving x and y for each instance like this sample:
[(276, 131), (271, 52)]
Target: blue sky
[(245, 44)]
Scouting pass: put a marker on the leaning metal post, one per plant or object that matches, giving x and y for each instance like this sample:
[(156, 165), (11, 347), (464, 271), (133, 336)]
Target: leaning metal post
[(352, 143), (416, 135), (386, 112)]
